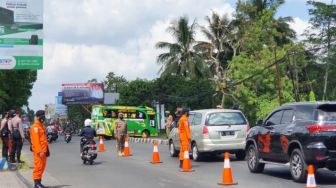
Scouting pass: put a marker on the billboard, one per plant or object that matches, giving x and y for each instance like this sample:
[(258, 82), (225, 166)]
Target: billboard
[(82, 93), (21, 34), (60, 109)]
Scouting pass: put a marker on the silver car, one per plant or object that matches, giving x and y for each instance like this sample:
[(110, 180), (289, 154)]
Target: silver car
[(213, 131)]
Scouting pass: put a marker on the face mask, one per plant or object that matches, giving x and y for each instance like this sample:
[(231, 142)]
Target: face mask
[(42, 119)]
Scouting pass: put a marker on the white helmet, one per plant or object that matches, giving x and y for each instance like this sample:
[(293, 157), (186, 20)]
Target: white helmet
[(87, 122)]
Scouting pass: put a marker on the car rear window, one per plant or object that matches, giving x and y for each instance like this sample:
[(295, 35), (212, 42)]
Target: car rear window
[(326, 113), (226, 118)]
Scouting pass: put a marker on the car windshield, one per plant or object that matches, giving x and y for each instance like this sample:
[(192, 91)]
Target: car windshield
[(326, 113), (226, 118)]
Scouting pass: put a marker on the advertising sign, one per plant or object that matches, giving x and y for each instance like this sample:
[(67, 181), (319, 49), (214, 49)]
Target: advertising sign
[(60, 110), (82, 93), (21, 37)]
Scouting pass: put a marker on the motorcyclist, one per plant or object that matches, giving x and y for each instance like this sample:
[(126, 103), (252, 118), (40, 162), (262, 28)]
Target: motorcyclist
[(87, 133)]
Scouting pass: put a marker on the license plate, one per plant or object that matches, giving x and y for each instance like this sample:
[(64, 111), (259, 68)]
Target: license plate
[(227, 133)]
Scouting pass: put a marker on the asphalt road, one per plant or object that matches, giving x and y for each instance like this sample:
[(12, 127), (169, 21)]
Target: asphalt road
[(110, 170)]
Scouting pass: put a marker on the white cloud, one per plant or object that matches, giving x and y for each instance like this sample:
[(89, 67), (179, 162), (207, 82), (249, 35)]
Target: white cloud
[(299, 26), (87, 39)]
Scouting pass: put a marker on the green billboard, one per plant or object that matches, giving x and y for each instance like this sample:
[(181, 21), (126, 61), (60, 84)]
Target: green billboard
[(21, 34)]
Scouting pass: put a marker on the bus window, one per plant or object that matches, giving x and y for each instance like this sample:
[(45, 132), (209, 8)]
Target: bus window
[(107, 113), (152, 120)]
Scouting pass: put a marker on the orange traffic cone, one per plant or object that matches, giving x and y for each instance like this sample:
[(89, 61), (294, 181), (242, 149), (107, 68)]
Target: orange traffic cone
[(101, 144), (127, 151), (156, 155), (311, 177), (186, 164), (227, 173)]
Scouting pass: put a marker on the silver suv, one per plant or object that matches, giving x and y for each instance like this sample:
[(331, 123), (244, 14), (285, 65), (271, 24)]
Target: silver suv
[(213, 131)]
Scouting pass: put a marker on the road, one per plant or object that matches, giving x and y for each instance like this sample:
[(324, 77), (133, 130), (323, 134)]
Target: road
[(137, 171)]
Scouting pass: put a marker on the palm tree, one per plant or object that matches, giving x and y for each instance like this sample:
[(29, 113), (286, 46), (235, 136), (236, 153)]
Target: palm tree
[(181, 57), (221, 46)]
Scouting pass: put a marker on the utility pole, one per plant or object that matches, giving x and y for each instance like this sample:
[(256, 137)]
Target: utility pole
[(278, 79)]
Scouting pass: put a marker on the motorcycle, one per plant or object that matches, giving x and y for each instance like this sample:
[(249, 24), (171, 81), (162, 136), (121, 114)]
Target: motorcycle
[(89, 151), (51, 136), (67, 136)]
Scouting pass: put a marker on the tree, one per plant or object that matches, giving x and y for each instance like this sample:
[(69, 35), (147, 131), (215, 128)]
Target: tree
[(219, 50), (181, 58), (137, 93), (15, 88), (114, 83), (322, 36)]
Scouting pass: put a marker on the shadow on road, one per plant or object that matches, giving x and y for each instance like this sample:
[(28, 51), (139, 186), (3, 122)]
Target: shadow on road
[(323, 177), (59, 186)]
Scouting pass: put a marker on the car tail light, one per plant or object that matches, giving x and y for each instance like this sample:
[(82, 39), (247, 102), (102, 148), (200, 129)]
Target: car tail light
[(320, 128), (248, 127), (205, 131)]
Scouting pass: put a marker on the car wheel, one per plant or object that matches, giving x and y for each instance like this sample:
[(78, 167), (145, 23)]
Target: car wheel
[(172, 150), (145, 134), (196, 155), (240, 155), (298, 166), (253, 160)]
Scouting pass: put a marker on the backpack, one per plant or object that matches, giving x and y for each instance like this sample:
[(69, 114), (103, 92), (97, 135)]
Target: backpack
[(5, 130)]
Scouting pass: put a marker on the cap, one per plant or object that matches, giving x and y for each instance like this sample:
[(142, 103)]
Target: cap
[(40, 113)]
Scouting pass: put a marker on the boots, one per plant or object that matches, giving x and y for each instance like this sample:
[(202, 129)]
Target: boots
[(181, 162), (38, 184), (19, 160)]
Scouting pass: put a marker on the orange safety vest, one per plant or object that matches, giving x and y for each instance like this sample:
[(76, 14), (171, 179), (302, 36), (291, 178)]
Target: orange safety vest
[(38, 137), (183, 128)]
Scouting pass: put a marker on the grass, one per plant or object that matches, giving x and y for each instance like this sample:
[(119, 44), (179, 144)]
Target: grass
[(25, 166)]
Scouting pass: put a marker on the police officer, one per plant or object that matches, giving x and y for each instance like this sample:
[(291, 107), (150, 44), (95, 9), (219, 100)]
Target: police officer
[(87, 133), (16, 127), (39, 147), (4, 131), (121, 133)]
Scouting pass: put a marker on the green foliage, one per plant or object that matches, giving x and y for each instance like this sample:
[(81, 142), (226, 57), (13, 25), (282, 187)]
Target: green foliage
[(114, 83), (15, 88), (312, 96), (78, 114), (181, 57)]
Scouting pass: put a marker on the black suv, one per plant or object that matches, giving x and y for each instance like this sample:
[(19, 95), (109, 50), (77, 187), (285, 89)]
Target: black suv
[(294, 135)]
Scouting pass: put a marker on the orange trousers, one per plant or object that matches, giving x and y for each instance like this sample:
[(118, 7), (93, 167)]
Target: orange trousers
[(39, 166), (184, 147)]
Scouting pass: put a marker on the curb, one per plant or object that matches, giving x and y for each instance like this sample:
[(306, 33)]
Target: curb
[(148, 140)]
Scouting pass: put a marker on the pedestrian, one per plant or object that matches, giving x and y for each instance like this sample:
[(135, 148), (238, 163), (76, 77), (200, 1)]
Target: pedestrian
[(121, 133), (4, 133), (184, 132), (16, 127), (169, 123), (177, 116), (39, 147)]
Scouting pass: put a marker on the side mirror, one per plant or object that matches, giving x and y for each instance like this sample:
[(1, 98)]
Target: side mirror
[(259, 122)]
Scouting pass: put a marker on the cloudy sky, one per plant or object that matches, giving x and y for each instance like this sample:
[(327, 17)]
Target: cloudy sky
[(85, 39)]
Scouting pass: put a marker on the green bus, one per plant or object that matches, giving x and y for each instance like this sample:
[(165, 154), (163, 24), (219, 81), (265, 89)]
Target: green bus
[(142, 121)]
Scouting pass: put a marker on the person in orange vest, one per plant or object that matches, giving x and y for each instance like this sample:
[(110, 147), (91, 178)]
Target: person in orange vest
[(39, 147), (184, 132)]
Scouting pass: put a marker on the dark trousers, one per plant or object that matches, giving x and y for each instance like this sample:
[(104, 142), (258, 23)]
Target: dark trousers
[(5, 141), (16, 149)]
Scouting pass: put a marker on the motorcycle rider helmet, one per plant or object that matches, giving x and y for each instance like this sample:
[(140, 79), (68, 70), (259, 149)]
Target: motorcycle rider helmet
[(87, 122)]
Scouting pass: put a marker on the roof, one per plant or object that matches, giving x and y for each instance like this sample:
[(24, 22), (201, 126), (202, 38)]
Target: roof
[(215, 110), (317, 103)]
